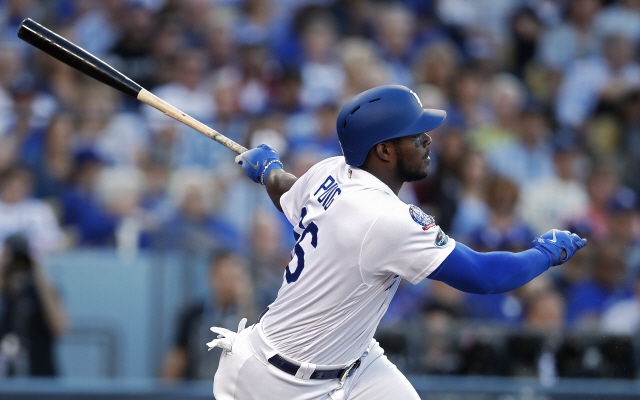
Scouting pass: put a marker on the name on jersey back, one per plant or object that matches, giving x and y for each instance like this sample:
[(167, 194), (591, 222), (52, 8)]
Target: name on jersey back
[(328, 190)]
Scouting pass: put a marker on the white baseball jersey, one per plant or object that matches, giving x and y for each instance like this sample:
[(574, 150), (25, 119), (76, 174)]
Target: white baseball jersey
[(355, 241)]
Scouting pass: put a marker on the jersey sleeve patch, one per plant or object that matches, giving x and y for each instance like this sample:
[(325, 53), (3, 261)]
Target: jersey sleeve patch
[(441, 238), (422, 219)]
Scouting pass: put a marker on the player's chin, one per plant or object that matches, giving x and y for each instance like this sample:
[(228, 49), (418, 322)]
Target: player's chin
[(424, 168), (418, 175), (424, 173)]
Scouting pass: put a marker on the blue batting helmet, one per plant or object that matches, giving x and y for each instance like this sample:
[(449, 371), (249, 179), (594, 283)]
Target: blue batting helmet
[(380, 114)]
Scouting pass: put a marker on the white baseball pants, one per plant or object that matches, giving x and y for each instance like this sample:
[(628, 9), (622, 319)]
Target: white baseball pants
[(245, 374)]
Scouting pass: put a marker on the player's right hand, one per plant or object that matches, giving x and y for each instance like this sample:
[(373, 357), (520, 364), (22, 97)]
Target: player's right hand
[(560, 245), (258, 162)]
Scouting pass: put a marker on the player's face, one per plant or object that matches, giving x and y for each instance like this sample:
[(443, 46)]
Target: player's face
[(413, 157)]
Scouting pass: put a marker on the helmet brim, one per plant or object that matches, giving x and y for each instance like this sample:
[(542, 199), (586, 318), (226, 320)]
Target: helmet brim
[(428, 121)]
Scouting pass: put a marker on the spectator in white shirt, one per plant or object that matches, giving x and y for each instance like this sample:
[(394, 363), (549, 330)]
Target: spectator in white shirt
[(20, 213), (526, 156), (623, 317), (187, 90), (395, 31), (323, 77), (558, 199), (621, 17), (597, 79), (574, 39)]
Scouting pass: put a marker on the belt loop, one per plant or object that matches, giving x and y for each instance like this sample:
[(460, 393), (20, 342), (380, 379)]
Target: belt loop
[(303, 371), (310, 369)]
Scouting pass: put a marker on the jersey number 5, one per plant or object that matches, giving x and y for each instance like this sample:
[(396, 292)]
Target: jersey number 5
[(311, 229)]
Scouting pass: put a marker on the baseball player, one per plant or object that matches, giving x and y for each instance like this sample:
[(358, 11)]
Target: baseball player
[(355, 241)]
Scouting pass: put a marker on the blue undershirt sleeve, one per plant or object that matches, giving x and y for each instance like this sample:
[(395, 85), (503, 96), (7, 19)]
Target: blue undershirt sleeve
[(494, 272)]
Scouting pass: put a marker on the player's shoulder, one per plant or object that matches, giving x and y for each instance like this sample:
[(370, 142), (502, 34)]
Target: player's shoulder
[(395, 214), (331, 162), (320, 168), (300, 189)]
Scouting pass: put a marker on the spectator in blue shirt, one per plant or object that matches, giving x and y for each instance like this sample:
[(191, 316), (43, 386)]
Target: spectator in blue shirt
[(587, 300), (90, 221)]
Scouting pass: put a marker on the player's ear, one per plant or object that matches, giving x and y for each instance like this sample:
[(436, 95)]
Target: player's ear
[(385, 151)]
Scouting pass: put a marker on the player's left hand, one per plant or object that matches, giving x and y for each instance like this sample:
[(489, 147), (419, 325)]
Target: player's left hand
[(258, 162), (560, 245), (225, 336)]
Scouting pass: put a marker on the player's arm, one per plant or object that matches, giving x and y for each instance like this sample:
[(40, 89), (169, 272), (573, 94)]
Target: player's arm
[(263, 165), (503, 271), (278, 182)]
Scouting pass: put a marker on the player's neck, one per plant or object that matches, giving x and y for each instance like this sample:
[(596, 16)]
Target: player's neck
[(387, 177)]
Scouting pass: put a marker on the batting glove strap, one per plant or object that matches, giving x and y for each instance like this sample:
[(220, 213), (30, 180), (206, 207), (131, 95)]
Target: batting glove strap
[(553, 242), (547, 253), (258, 162)]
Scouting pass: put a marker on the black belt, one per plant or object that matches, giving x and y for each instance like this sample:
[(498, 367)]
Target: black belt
[(291, 369)]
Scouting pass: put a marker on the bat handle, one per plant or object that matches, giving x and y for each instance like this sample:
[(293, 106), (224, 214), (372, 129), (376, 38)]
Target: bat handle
[(154, 101)]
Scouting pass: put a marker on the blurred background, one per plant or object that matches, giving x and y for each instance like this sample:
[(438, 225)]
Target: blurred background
[(125, 235)]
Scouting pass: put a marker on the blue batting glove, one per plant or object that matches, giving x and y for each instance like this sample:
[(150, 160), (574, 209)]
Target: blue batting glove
[(258, 162), (553, 242)]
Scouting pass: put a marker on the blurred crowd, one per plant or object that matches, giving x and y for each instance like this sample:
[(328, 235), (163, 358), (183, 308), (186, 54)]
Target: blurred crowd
[(543, 131)]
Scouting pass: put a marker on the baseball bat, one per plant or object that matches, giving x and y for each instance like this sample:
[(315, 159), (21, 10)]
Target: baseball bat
[(85, 62)]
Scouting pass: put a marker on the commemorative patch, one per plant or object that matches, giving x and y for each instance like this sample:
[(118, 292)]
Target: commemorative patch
[(422, 219), (441, 238)]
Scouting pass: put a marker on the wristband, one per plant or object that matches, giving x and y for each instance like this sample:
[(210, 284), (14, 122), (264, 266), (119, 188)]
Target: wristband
[(266, 169)]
